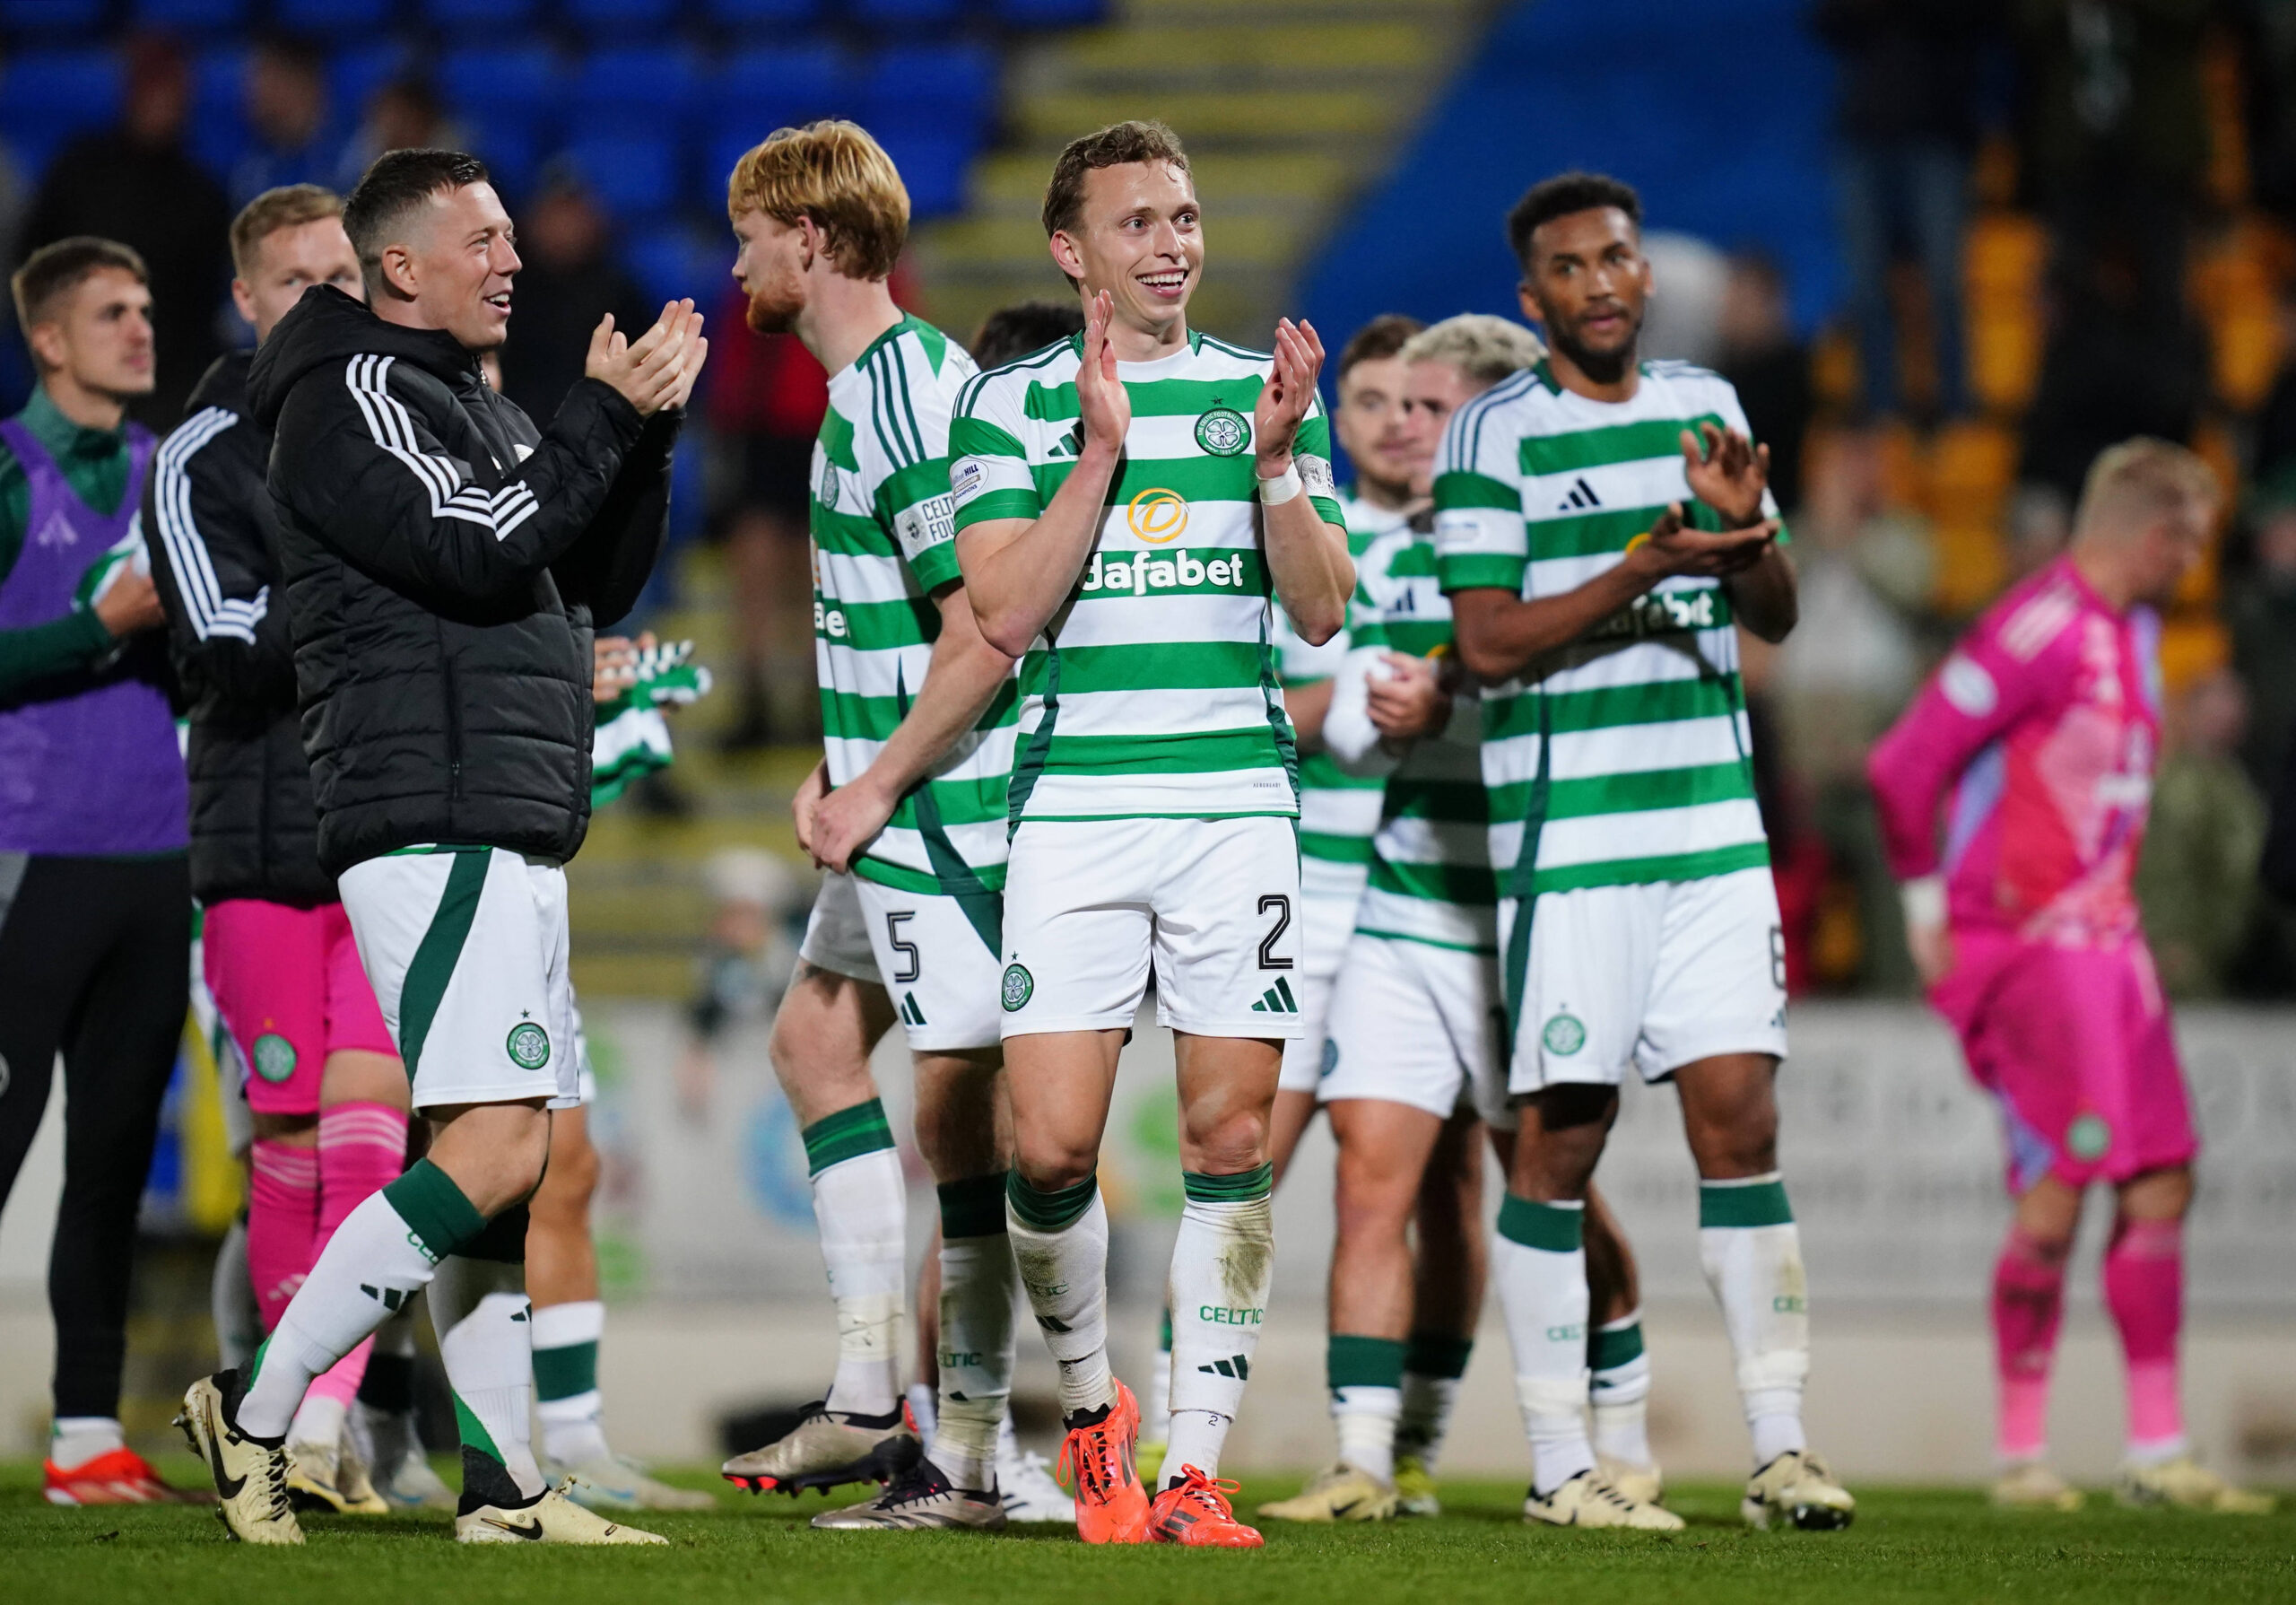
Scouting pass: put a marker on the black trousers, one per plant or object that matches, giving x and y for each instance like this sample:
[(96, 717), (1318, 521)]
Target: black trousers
[(95, 961)]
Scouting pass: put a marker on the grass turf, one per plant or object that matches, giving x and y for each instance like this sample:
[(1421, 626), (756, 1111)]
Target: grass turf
[(1908, 1544)]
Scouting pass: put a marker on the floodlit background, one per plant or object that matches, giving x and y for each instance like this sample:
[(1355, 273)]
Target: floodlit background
[(1945, 250)]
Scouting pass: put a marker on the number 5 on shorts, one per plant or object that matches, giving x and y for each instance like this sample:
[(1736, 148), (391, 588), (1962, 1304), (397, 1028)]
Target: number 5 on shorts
[(912, 962), (1278, 904)]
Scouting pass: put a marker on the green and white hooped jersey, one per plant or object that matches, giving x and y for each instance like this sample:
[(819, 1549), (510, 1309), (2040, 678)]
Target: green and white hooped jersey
[(1152, 692), (1339, 811), (1621, 759), (1431, 876), (883, 542)]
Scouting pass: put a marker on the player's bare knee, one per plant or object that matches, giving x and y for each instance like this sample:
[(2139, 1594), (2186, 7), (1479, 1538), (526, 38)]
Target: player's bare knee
[(2156, 1195)]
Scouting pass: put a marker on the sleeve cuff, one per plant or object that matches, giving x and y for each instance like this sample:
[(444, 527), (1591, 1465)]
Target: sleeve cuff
[(1924, 899)]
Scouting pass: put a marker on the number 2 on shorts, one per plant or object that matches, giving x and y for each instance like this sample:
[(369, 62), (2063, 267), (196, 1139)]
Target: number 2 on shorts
[(1281, 906)]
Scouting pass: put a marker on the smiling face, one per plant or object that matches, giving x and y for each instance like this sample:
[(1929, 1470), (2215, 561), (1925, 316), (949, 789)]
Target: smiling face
[(770, 268), (1370, 423), (1587, 282), (453, 264), (1139, 235), (290, 260), (98, 334)]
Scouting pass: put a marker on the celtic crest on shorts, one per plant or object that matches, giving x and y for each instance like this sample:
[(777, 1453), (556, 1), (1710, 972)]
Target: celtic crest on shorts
[(1018, 985), (1565, 1034), (274, 1056), (1222, 431), (528, 1045)]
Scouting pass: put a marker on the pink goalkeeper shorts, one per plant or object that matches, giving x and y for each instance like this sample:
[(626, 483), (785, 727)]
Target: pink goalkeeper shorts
[(2076, 1044), (290, 988)]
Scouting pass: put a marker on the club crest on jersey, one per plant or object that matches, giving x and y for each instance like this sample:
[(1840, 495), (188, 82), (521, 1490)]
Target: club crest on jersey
[(528, 1045), (1157, 517), (1564, 1036), (1223, 431), (1019, 985), (827, 491)]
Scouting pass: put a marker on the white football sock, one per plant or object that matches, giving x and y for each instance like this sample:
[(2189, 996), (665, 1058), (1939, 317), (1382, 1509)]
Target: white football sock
[(485, 1341), (1364, 1420), (861, 1206), (1433, 1363), (1752, 1254), (567, 1399), (1156, 1402), (1540, 1264), (230, 1300), (1064, 1265), (377, 1259), (978, 1284), (318, 1421), (1223, 1262), (73, 1441), (1619, 1392)]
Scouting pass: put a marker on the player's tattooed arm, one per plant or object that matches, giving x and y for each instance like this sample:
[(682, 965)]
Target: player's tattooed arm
[(1307, 558), (1019, 571)]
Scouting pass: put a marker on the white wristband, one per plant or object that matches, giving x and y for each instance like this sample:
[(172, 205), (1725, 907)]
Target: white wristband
[(1276, 491), (1925, 900)]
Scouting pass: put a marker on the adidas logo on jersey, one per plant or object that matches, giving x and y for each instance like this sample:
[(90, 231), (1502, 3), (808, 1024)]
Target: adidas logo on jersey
[(1582, 496), (1277, 1000), (1145, 571)]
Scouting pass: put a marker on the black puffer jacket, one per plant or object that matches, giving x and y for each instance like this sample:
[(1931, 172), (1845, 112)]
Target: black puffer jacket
[(208, 522), (444, 561)]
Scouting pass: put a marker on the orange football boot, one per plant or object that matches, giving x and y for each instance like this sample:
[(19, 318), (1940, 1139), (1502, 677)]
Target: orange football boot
[(122, 1476), (1196, 1512), (1096, 1466)]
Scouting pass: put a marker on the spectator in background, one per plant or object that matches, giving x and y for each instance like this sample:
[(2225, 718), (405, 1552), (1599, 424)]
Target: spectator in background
[(2262, 616), (767, 396), (403, 115), (2118, 366), (1012, 332), (1906, 128), (1769, 366), (2197, 880), (570, 281), (2116, 136), (287, 113), (136, 184)]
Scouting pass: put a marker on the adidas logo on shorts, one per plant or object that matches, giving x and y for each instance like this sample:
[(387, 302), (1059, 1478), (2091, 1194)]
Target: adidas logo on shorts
[(1277, 1000)]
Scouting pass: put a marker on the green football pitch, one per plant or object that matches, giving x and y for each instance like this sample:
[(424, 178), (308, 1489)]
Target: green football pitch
[(1908, 1544)]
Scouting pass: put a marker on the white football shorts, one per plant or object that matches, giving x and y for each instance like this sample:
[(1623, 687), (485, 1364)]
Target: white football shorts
[(467, 950), (1661, 975), (1416, 1023), (1212, 903), (1326, 924), (934, 962)]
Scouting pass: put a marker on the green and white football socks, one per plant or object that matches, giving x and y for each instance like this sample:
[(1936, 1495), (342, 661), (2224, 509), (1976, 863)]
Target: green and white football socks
[(1432, 1365), (1365, 1375), (386, 1250), (1223, 1261), (567, 1401), (1060, 1246), (1752, 1254), (1618, 1390), (479, 1307), (1539, 1262), (978, 1283), (861, 1206)]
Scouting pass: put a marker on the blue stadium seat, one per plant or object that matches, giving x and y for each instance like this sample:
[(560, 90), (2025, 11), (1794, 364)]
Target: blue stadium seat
[(662, 87), (622, 19), (1049, 13), (52, 19), (512, 150), (769, 86), (47, 97), (522, 82), (933, 159), (192, 16), (776, 15), (634, 175), (479, 19), (217, 134), (951, 85), (332, 19), (907, 13), (356, 72), (671, 261)]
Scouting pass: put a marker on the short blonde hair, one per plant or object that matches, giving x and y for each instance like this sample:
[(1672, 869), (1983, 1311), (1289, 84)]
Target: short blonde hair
[(289, 206), (833, 172), (2142, 479), (1486, 348)]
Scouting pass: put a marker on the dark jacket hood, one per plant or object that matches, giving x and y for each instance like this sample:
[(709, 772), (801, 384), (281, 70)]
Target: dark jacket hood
[(223, 385), (327, 326)]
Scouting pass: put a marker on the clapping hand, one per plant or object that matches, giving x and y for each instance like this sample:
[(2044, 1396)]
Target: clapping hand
[(658, 369), (1283, 400), (1726, 472)]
